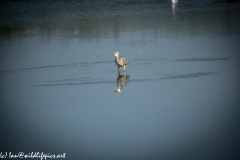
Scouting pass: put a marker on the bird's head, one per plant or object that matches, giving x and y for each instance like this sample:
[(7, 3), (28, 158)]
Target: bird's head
[(115, 54), (118, 91)]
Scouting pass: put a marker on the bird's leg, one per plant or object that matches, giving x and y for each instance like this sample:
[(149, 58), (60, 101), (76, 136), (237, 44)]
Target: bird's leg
[(118, 69), (124, 67)]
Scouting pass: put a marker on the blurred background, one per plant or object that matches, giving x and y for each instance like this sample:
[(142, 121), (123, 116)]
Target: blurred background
[(179, 99)]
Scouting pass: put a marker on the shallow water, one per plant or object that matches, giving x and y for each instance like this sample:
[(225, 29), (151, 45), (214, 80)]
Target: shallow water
[(179, 98)]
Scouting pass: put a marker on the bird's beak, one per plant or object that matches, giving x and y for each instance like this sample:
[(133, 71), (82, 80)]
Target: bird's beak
[(113, 54)]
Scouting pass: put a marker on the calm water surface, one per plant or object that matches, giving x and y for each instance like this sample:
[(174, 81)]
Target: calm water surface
[(179, 99)]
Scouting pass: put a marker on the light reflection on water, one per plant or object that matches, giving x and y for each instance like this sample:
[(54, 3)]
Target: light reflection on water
[(179, 97)]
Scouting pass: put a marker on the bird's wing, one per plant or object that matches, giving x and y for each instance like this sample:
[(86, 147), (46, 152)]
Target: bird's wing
[(125, 61)]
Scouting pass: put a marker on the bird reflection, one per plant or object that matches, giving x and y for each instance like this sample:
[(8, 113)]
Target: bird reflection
[(122, 81), (174, 1), (174, 5)]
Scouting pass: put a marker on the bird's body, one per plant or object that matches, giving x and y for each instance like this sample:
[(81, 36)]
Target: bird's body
[(120, 60)]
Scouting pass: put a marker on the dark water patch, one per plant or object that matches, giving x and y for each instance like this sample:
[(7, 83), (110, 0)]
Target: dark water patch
[(121, 81), (199, 59), (69, 80), (145, 61), (74, 82), (190, 75), (102, 62), (58, 66), (178, 76), (70, 65)]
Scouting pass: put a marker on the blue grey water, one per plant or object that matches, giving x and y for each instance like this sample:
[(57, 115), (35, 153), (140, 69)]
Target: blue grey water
[(179, 99)]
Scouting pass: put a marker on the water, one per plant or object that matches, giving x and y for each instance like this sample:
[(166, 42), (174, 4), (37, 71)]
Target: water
[(179, 98)]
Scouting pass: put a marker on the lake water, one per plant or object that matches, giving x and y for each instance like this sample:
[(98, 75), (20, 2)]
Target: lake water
[(179, 98)]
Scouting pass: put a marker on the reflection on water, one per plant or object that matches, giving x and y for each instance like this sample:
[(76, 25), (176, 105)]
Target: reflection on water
[(174, 1), (87, 20), (174, 6), (56, 72), (122, 82)]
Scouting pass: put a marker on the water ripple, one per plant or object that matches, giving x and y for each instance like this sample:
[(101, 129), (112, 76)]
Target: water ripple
[(190, 75), (58, 66), (199, 59), (150, 61), (88, 80), (178, 76), (75, 81)]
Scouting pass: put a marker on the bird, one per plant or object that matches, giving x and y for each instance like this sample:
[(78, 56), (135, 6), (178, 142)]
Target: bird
[(120, 61)]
